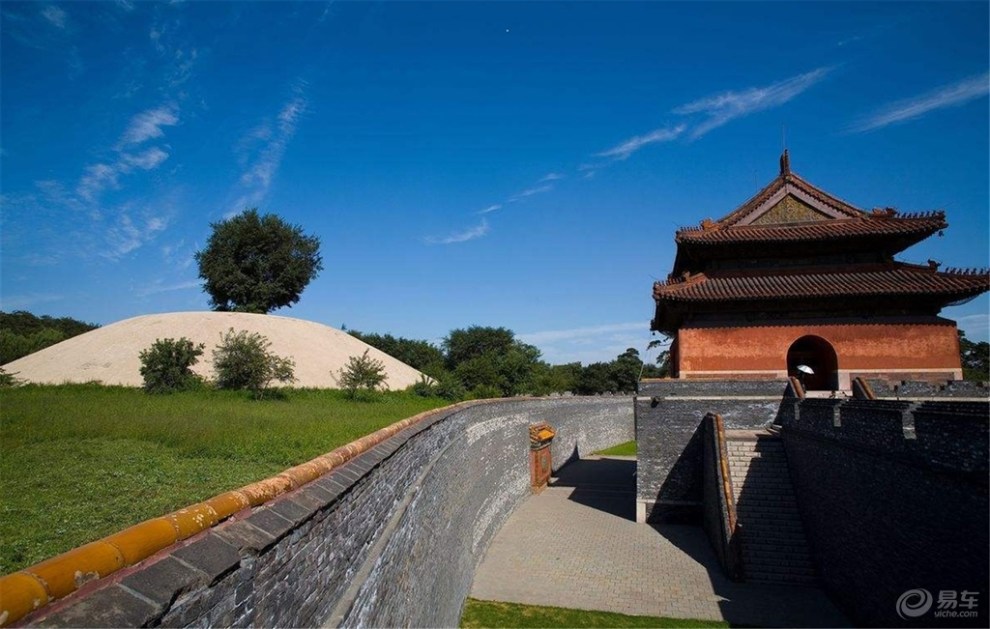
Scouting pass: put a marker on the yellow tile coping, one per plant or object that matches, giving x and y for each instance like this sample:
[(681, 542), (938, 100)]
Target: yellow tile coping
[(34, 587)]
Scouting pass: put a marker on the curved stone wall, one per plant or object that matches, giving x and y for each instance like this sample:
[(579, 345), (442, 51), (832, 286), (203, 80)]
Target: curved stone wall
[(390, 538)]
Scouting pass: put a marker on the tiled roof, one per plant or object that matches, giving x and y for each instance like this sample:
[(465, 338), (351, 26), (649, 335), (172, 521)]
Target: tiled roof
[(839, 219), (787, 177), (865, 226), (900, 279)]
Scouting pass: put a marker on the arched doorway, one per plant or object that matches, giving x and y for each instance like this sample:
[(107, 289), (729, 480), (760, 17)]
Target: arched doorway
[(817, 353)]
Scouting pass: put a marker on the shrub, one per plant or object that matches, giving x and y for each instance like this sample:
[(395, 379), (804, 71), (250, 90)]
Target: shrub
[(423, 388), (8, 379), (165, 366), (242, 360), (361, 372), (449, 386), (485, 392)]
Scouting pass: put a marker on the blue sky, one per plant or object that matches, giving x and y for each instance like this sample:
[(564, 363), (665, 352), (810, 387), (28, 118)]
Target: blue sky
[(514, 164)]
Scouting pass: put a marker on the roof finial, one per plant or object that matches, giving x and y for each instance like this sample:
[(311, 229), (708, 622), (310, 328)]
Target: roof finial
[(785, 163)]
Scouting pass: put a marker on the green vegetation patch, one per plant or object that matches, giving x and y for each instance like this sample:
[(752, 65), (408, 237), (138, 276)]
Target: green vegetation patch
[(83, 461), (623, 449), (495, 614)]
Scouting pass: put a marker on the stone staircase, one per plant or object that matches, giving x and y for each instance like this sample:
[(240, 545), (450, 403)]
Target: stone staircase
[(774, 548)]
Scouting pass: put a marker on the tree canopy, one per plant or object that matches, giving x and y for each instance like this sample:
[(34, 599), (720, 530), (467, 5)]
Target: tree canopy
[(257, 263), (420, 355), (975, 358), (22, 333)]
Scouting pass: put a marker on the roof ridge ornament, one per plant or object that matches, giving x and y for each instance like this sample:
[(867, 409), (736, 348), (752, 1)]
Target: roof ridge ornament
[(785, 164), (886, 212)]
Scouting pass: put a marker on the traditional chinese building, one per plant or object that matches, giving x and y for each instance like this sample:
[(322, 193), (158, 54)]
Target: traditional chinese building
[(796, 276)]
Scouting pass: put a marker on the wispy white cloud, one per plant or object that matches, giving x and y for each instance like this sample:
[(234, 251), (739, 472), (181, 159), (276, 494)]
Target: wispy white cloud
[(551, 177), (478, 231), (155, 35), (126, 234), (945, 96), (633, 144), (326, 12), (581, 333), (99, 177), (530, 192), (600, 343), (491, 208), (56, 16), (96, 178), (148, 124), (976, 326), (179, 254), (182, 66), (262, 150), (126, 5), (159, 287), (29, 300), (146, 160), (722, 108)]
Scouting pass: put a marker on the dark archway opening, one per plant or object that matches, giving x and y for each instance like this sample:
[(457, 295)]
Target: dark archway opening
[(817, 353)]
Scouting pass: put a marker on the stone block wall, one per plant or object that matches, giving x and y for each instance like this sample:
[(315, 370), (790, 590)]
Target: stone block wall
[(669, 482), (893, 497), (888, 388), (391, 538)]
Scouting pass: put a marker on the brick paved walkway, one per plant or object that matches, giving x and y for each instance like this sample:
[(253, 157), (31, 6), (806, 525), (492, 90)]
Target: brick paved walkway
[(576, 545)]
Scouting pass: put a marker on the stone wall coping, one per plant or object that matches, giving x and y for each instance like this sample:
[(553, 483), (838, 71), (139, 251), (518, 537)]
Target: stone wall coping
[(647, 398), (913, 398), (34, 587)]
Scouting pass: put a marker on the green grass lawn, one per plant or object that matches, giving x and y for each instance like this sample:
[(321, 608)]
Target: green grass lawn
[(79, 462), (491, 614), (623, 449)]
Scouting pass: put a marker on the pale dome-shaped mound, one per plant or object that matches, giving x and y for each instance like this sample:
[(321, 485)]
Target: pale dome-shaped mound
[(110, 354)]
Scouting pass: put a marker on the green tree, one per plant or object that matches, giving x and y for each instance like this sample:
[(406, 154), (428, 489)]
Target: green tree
[(13, 346), (22, 333), (596, 378), (243, 360), (663, 358), (462, 345), (361, 372), (975, 358), (556, 378), (493, 358), (25, 324), (420, 355), (255, 263), (478, 371), (626, 369), (166, 365)]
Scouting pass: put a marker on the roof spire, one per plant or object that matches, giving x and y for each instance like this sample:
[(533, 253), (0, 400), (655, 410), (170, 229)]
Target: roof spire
[(785, 163)]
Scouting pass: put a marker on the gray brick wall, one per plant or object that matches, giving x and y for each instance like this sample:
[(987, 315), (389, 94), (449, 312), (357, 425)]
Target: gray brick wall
[(668, 432), (893, 497), (391, 538)]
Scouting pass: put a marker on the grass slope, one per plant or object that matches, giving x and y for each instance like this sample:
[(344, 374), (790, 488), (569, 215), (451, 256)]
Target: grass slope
[(80, 462), (491, 614), (623, 449)]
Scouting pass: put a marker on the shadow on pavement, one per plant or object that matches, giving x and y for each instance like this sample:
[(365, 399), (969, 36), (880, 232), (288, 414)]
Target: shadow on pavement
[(608, 485), (753, 604), (605, 484)]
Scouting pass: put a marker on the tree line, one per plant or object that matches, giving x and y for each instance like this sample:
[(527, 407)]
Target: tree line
[(478, 361), (22, 333)]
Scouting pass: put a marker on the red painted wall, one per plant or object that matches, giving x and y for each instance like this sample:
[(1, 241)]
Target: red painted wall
[(858, 346)]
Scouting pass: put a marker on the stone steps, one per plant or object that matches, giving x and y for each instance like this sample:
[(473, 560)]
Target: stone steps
[(774, 547)]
